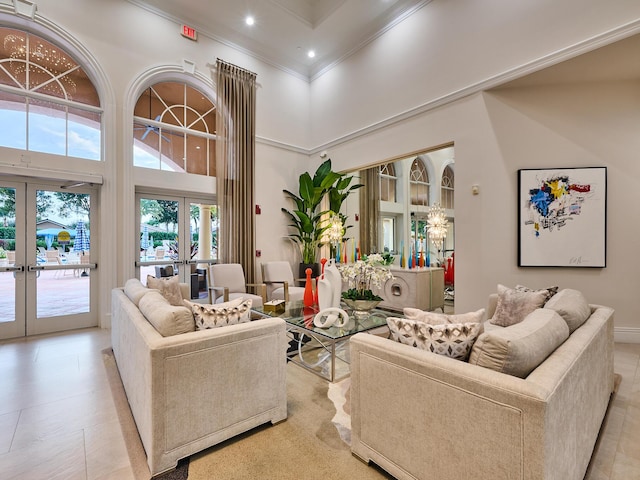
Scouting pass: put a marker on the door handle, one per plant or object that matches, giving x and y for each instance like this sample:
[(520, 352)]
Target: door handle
[(15, 268), (35, 268)]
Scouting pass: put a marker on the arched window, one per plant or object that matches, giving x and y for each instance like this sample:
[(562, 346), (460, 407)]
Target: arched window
[(446, 189), (174, 129), (47, 102), (388, 181), (419, 183)]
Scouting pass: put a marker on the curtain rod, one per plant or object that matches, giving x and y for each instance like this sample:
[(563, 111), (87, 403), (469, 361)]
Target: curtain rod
[(212, 66), (236, 66)]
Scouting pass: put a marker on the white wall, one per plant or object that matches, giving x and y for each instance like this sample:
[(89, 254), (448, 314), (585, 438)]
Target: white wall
[(449, 46)]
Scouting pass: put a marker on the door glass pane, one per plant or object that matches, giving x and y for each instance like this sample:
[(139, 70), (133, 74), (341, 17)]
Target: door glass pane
[(159, 241), (7, 254), (388, 234), (62, 239), (203, 225)]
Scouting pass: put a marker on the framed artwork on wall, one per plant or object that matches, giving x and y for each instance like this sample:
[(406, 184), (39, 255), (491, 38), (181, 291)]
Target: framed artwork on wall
[(562, 217)]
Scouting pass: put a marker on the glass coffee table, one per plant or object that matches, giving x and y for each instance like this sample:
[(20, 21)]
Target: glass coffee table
[(318, 349)]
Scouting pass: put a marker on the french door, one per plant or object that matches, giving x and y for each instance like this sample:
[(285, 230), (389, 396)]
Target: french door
[(46, 269), (177, 236)]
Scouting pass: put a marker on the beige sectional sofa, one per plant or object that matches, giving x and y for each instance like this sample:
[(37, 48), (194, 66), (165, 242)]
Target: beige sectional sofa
[(420, 415), (192, 390)]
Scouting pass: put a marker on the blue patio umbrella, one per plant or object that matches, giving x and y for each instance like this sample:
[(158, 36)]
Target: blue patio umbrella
[(144, 243), (82, 238)]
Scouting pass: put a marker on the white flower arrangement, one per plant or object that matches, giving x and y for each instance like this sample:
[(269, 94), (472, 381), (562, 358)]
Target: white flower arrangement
[(370, 271)]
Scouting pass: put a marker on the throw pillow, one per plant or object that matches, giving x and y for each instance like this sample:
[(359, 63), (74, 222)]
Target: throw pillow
[(548, 292), (433, 318), (169, 287), (514, 306), (135, 290), (572, 306), (517, 350), (167, 319), (452, 340), (220, 314)]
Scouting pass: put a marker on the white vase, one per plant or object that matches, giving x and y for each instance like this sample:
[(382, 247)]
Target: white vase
[(325, 294), (332, 274)]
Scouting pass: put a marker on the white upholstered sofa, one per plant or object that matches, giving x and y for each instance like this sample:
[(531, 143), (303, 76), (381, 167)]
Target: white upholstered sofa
[(193, 390), (420, 415)]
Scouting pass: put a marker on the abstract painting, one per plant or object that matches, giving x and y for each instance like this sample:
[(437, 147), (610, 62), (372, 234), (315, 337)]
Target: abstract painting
[(562, 218)]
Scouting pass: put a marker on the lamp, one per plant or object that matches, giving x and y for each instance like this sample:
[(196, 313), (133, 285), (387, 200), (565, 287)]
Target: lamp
[(334, 233), (437, 225)]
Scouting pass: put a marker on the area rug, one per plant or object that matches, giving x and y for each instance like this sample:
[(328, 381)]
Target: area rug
[(339, 394), (311, 443)]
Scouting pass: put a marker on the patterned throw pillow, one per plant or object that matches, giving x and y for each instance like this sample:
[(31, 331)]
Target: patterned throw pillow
[(548, 292), (513, 305), (220, 314), (433, 318), (169, 287), (452, 339)]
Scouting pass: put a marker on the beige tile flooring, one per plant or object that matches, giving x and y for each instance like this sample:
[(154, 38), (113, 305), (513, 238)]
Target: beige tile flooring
[(58, 420)]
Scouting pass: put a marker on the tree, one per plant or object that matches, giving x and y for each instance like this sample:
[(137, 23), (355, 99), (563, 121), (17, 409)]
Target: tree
[(8, 202), (162, 212), (73, 203)]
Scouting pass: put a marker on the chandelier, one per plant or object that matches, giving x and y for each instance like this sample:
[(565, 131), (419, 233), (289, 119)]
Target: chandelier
[(335, 229), (37, 57), (437, 225)]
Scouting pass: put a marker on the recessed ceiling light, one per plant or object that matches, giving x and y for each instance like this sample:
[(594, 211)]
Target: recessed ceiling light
[(311, 54), (249, 20)]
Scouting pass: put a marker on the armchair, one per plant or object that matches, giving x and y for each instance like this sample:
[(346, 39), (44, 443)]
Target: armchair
[(278, 278), (227, 282)]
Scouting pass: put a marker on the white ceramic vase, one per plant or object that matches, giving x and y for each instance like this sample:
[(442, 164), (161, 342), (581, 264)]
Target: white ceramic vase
[(332, 275)]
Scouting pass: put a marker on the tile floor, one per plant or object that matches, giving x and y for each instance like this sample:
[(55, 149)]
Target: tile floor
[(58, 419)]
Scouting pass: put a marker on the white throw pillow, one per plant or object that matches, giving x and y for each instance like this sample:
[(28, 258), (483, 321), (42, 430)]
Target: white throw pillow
[(220, 314), (433, 318), (167, 319), (169, 287), (513, 306), (572, 306), (452, 339), (135, 290), (517, 350)]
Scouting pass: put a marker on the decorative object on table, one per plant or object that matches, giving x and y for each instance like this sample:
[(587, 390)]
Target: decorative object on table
[(330, 317), (437, 226), (307, 299), (308, 222), (562, 217), (274, 306), (371, 271)]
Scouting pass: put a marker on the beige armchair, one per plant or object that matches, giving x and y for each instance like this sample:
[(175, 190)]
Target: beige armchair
[(278, 277), (227, 282)]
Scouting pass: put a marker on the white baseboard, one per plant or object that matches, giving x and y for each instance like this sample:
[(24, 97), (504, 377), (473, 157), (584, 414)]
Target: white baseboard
[(626, 335)]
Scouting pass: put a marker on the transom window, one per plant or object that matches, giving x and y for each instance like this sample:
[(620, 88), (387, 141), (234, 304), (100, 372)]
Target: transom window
[(174, 130), (419, 183), (446, 192), (388, 181), (47, 101)]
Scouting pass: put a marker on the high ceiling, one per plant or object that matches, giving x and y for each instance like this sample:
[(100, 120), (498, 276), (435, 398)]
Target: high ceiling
[(285, 30)]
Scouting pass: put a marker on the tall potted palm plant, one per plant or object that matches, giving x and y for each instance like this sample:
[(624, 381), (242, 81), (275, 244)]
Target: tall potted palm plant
[(306, 218)]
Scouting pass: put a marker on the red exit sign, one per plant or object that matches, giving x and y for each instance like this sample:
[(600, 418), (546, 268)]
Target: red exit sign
[(189, 32)]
